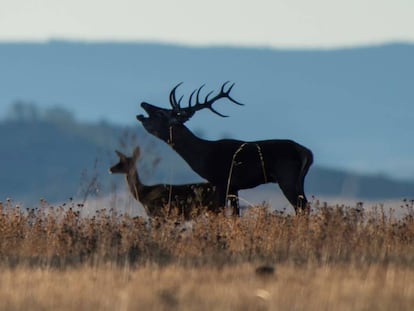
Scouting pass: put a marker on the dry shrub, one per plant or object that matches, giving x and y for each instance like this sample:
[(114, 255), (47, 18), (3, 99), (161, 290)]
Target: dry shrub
[(59, 236)]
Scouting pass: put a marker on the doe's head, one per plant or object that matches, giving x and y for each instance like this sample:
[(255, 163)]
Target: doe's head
[(125, 163)]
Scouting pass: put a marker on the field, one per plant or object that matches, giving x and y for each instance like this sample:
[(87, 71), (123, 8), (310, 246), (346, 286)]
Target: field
[(339, 257)]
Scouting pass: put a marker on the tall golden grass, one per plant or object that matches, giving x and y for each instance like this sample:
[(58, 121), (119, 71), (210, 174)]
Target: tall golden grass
[(337, 258), (235, 287), (59, 236)]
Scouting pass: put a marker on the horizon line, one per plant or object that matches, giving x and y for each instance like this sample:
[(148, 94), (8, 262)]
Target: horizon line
[(304, 47)]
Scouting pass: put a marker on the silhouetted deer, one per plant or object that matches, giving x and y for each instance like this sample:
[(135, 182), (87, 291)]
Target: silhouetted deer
[(230, 164), (154, 198)]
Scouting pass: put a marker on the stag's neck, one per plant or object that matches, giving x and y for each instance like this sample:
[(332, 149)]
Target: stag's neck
[(186, 143)]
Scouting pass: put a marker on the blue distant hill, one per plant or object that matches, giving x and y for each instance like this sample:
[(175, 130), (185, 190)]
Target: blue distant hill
[(352, 107), (50, 155)]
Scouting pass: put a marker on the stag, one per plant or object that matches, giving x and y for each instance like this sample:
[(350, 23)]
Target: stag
[(229, 164), (154, 198)]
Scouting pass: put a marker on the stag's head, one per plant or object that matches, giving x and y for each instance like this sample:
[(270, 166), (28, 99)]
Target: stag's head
[(160, 120)]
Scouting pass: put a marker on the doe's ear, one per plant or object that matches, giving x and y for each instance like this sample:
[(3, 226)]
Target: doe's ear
[(136, 153), (120, 155)]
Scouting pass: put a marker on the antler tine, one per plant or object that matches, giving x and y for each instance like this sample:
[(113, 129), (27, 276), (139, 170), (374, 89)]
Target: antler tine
[(191, 98), (216, 112), (173, 99), (227, 94), (224, 85), (198, 95), (186, 113), (206, 99), (179, 101), (209, 105)]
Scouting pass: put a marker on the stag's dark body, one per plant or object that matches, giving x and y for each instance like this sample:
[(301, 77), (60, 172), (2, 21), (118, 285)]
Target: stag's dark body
[(232, 165)]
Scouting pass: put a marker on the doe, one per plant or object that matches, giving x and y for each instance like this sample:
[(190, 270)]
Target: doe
[(154, 198)]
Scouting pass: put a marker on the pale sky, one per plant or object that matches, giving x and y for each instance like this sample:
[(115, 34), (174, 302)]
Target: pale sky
[(272, 23)]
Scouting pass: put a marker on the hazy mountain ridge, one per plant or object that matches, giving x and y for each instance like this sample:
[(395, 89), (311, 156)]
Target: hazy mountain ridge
[(344, 104), (351, 107), (56, 161)]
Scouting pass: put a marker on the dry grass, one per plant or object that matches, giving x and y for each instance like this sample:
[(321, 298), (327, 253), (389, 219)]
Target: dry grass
[(338, 258), (174, 287)]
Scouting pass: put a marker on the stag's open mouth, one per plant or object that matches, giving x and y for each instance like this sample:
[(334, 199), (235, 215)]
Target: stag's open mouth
[(141, 117)]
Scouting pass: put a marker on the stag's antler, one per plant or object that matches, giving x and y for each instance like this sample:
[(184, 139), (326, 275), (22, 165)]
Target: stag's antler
[(207, 103), (173, 100)]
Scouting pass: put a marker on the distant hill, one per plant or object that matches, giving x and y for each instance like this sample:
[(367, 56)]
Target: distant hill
[(44, 159), (353, 107), (48, 154)]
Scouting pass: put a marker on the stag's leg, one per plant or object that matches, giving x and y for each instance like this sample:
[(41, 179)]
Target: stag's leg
[(234, 202), (291, 183), (222, 199), (295, 196), (229, 198)]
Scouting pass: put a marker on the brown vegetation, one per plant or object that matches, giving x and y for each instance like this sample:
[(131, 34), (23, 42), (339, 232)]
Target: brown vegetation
[(337, 258), (331, 235)]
